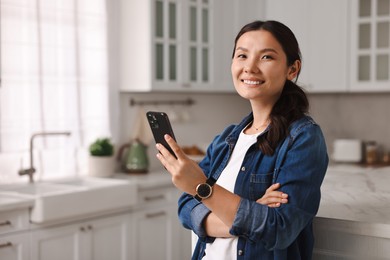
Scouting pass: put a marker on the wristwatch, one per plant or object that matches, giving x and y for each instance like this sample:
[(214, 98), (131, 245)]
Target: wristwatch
[(204, 190)]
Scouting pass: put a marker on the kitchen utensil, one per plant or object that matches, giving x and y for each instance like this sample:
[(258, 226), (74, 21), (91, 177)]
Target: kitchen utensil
[(134, 157)]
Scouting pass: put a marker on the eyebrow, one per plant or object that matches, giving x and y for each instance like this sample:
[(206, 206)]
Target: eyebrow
[(262, 51)]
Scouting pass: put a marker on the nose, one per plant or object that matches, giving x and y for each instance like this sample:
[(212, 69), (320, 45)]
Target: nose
[(251, 66)]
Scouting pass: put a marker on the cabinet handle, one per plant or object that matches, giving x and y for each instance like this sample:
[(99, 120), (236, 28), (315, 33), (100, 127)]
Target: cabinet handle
[(157, 197), (155, 215), (5, 223), (84, 229), (7, 244)]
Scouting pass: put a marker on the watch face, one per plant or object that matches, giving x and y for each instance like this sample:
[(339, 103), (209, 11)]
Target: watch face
[(204, 190)]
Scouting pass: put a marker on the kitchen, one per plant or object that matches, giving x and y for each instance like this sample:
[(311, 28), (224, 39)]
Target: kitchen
[(344, 107)]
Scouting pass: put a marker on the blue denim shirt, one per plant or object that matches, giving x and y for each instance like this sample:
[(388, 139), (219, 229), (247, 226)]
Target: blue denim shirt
[(298, 164)]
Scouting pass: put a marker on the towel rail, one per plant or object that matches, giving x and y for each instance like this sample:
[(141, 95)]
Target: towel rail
[(185, 102)]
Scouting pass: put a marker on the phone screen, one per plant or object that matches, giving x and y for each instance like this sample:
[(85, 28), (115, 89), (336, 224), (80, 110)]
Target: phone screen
[(160, 125)]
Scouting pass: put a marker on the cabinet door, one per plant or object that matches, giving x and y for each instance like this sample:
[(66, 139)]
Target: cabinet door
[(108, 238), (326, 55), (156, 234), (61, 243), (370, 39), (197, 52), (15, 247), (100, 239), (166, 17)]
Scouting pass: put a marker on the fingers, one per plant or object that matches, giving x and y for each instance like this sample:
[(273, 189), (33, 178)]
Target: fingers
[(273, 187), (273, 198), (168, 160), (174, 146)]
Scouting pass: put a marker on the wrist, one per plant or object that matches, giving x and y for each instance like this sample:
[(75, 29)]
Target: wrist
[(204, 190)]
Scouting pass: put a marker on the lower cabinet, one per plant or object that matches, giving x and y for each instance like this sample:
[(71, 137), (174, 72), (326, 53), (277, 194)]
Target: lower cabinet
[(348, 240), (157, 232), (151, 230), (14, 247), (14, 235), (99, 239)]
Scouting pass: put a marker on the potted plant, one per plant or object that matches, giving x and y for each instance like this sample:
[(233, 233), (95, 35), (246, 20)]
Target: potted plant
[(101, 159)]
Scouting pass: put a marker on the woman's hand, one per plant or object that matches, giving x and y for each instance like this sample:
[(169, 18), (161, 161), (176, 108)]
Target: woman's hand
[(272, 197), (186, 174)]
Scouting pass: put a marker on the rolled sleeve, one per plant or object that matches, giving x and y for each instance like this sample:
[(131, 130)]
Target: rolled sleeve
[(192, 214), (198, 214)]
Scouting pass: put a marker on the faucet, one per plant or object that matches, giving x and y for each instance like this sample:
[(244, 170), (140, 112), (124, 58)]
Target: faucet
[(30, 171)]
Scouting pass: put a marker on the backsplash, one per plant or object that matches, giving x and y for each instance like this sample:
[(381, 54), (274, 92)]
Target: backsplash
[(361, 116)]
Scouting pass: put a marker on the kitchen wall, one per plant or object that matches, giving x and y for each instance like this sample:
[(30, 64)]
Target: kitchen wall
[(353, 115), (361, 116)]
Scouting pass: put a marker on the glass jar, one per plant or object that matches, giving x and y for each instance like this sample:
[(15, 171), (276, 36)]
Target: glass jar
[(371, 152)]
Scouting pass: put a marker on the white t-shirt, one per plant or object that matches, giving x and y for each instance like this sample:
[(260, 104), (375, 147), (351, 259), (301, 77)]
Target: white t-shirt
[(226, 248)]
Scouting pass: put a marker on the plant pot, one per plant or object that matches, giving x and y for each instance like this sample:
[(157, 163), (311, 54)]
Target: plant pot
[(101, 166)]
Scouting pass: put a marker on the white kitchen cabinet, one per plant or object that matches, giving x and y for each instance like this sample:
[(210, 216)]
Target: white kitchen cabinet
[(157, 233), (97, 239), (15, 247), (14, 235), (165, 45), (322, 30), (370, 45), (337, 239)]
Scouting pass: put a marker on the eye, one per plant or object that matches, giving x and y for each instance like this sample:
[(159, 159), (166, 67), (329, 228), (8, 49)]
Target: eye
[(267, 57), (241, 56)]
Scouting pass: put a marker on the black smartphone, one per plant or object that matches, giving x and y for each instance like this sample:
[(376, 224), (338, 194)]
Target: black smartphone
[(160, 125)]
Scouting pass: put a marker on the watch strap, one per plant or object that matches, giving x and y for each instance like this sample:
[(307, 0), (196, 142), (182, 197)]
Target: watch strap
[(211, 181)]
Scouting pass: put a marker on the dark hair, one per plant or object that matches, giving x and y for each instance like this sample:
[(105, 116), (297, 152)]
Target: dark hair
[(292, 103)]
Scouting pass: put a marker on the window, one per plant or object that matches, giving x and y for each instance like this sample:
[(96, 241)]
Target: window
[(54, 77)]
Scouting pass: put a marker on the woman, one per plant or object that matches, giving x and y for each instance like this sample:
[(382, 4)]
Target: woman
[(226, 201)]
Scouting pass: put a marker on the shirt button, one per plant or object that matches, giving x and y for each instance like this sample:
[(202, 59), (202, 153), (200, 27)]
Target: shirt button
[(240, 252), (243, 168)]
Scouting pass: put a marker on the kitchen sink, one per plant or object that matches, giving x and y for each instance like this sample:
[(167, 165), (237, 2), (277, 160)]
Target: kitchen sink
[(76, 197)]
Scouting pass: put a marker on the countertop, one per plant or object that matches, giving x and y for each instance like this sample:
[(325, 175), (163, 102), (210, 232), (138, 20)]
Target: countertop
[(154, 178), (356, 193), (10, 202), (349, 192)]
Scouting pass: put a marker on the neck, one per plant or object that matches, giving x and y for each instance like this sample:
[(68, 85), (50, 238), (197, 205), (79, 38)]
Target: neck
[(260, 126)]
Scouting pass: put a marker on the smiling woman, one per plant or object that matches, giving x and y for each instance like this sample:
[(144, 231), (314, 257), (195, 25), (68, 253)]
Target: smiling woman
[(54, 76)]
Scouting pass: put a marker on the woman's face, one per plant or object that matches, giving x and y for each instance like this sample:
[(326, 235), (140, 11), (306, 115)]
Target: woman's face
[(259, 67)]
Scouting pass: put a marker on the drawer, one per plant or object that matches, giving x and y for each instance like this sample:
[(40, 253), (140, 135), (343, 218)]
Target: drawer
[(16, 220), (158, 196)]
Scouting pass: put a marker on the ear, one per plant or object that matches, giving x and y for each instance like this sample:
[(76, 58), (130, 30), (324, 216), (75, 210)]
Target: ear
[(293, 70)]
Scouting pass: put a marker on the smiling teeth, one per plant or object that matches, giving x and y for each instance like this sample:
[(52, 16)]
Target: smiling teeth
[(251, 82)]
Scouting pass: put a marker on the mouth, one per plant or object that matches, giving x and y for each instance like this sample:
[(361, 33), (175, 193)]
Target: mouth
[(252, 82)]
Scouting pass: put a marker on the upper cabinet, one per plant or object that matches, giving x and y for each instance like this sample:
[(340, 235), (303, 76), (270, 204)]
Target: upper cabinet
[(180, 45), (165, 45), (321, 29), (370, 42)]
